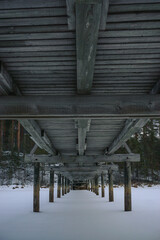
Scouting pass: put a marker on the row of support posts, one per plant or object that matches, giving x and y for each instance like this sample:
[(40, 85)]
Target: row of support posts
[(127, 186), (63, 183)]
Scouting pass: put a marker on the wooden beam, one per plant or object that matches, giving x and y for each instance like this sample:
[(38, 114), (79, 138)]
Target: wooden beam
[(104, 14), (83, 126), (36, 187), (71, 13), (35, 131), (38, 136), (82, 159), (87, 26), (122, 106), (132, 126)]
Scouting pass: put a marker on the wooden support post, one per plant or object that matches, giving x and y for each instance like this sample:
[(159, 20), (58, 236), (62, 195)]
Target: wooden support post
[(68, 185), (65, 191), (97, 185), (63, 186), (51, 186), (94, 185), (110, 178), (91, 185), (36, 187), (59, 186), (127, 186), (102, 185)]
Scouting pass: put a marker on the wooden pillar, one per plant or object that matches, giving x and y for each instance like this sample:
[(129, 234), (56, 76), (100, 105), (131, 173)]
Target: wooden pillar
[(127, 186), (51, 186), (65, 191), (63, 186), (97, 185), (110, 178), (91, 185), (94, 185), (102, 185), (36, 187), (68, 185), (59, 186)]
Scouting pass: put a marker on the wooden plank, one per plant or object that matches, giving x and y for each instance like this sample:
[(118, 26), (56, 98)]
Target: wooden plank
[(142, 7), (72, 35), (87, 27), (77, 106), (16, 4), (83, 159), (32, 12)]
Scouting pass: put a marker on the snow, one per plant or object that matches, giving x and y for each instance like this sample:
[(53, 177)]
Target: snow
[(80, 215)]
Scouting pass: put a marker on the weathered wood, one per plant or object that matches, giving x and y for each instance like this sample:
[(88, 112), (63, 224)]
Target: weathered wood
[(102, 185), (132, 126), (121, 106), (36, 187), (127, 187), (104, 14), (87, 26), (83, 126), (96, 185), (83, 159), (51, 186), (65, 191), (40, 139), (110, 178), (59, 186), (63, 187)]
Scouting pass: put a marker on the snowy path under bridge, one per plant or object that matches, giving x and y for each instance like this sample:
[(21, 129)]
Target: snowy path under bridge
[(80, 215)]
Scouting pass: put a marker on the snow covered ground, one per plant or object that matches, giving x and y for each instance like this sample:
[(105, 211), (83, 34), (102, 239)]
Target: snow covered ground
[(80, 215)]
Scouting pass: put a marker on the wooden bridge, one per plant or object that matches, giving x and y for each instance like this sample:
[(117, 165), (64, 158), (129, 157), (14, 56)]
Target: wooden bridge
[(81, 76)]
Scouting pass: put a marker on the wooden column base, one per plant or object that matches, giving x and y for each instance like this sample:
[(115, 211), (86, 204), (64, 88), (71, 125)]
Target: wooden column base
[(36, 187), (127, 187), (110, 176)]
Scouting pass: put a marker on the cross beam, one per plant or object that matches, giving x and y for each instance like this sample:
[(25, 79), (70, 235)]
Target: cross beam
[(7, 86), (122, 106), (132, 126), (83, 159)]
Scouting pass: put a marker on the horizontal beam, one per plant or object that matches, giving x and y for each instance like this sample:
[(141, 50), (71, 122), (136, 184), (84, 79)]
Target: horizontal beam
[(122, 106), (83, 159)]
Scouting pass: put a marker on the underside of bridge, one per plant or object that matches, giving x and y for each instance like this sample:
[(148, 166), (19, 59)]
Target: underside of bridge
[(81, 76)]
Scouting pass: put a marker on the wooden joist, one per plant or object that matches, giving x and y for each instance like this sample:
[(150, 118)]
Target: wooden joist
[(83, 126), (122, 106), (87, 27), (83, 159)]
